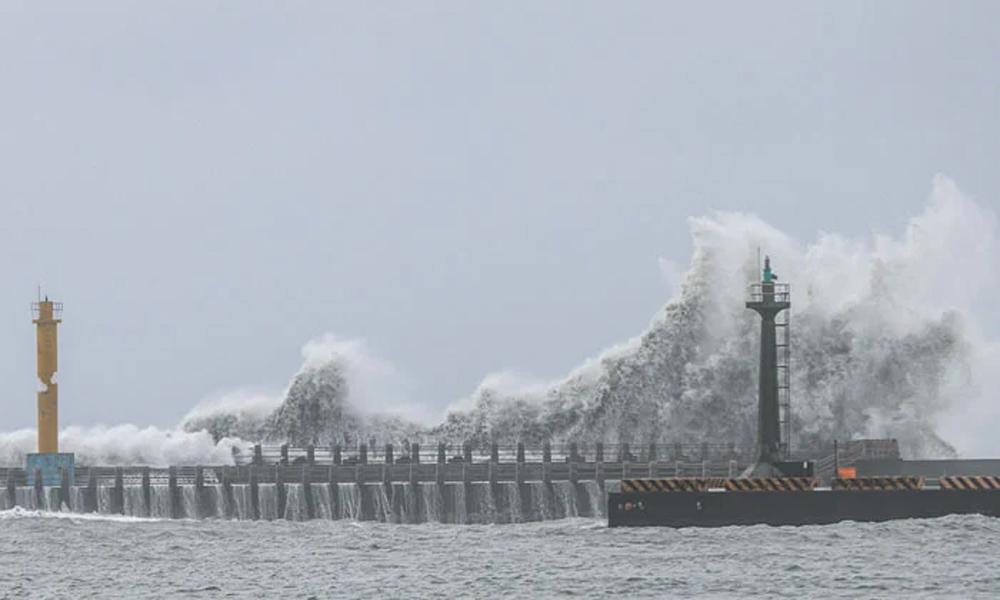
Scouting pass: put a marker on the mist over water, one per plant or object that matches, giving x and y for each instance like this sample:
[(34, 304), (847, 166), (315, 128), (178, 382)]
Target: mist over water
[(886, 342)]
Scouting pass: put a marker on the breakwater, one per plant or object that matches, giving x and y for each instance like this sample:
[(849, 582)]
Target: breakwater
[(449, 493), (491, 485), (444, 492), (477, 502)]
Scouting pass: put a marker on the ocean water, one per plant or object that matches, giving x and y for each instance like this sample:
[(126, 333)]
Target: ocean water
[(66, 555)]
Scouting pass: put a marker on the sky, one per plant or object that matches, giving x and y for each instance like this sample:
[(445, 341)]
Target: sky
[(468, 186)]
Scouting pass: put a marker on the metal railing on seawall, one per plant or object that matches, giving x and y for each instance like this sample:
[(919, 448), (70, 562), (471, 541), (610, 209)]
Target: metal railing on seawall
[(370, 453)]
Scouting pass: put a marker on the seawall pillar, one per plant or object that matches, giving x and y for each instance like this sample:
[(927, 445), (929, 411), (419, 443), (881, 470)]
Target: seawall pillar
[(146, 493), (11, 486), (254, 495), (173, 490), (334, 491), (414, 479), (64, 488), (39, 490), (226, 490), (307, 492), (470, 504), (118, 493), (199, 491), (90, 498), (280, 492)]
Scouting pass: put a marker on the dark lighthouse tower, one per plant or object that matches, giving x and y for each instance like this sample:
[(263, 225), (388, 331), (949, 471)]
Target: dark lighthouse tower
[(768, 298)]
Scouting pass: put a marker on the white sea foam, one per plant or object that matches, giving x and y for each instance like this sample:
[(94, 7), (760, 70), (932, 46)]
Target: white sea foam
[(125, 445), (23, 513)]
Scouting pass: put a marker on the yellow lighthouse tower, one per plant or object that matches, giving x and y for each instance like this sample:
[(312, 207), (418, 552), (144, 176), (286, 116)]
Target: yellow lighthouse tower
[(53, 467), (47, 321)]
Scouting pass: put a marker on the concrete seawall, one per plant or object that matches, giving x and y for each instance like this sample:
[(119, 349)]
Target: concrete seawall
[(398, 493)]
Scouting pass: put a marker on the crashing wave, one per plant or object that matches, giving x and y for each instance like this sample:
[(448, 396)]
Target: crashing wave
[(875, 354), (884, 344), (877, 351), (127, 445), (315, 408)]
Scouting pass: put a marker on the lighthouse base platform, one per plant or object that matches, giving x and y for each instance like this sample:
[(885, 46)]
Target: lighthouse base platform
[(51, 466)]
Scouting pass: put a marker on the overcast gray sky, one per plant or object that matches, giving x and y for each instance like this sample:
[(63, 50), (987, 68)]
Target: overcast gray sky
[(470, 186)]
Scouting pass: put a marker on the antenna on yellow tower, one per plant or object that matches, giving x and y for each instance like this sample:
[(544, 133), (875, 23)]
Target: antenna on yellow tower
[(52, 466)]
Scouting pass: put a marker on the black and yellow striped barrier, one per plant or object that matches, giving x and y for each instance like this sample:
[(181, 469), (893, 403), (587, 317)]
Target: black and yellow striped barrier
[(970, 483), (771, 484), (670, 484), (878, 483)]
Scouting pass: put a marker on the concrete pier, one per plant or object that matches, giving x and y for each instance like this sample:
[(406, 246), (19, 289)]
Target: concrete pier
[(453, 484)]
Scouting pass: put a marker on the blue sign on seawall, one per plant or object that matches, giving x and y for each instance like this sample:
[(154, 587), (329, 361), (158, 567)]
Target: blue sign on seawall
[(51, 467)]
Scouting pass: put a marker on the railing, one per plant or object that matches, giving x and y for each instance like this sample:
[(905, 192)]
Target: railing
[(456, 472), (496, 453), (847, 453)]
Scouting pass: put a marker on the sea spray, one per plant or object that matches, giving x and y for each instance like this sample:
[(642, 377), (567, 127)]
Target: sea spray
[(127, 445), (885, 343)]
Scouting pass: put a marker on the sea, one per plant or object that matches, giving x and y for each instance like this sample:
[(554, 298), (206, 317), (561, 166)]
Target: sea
[(69, 555)]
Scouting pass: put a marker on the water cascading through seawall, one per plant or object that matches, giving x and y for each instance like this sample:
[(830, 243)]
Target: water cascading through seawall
[(428, 502)]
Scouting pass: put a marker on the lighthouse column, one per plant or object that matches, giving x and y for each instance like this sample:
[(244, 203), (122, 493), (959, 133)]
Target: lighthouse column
[(767, 299), (53, 466)]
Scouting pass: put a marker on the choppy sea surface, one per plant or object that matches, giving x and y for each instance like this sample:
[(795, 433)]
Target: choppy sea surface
[(53, 555)]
